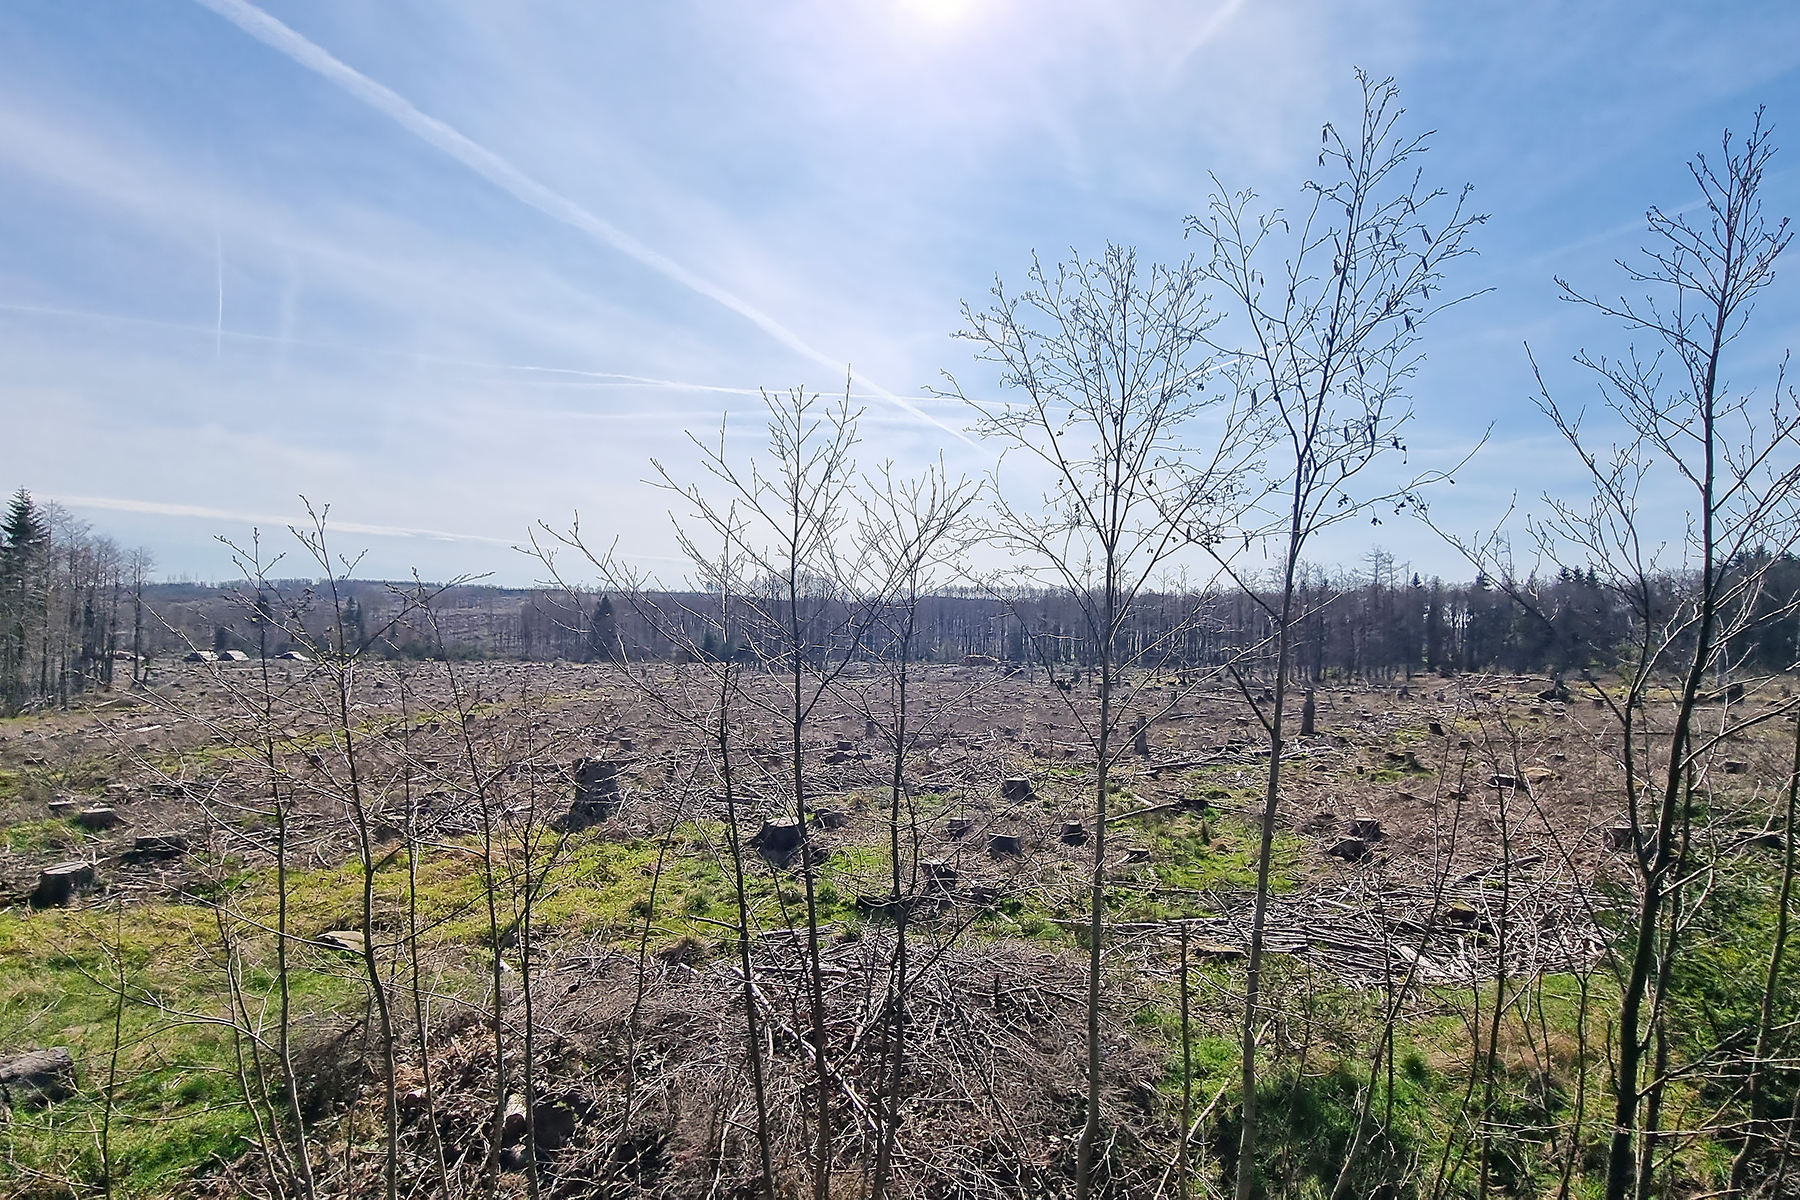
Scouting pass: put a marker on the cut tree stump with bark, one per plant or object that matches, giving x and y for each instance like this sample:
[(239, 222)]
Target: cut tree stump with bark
[(778, 835), (61, 883), (37, 1077), (596, 793)]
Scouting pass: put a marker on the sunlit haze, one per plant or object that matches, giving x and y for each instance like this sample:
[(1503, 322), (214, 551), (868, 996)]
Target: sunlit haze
[(455, 268)]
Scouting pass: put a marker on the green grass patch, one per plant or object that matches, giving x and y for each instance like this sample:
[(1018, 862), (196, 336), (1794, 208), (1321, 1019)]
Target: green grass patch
[(40, 836)]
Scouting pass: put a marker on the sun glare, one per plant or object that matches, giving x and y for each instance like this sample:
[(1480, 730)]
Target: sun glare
[(938, 12)]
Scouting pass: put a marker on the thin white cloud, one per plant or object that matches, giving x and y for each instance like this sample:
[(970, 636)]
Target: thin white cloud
[(161, 509), (503, 174), (562, 376)]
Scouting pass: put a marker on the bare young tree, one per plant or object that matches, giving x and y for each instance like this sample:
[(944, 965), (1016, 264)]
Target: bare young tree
[(1673, 411), (1326, 309), (790, 605), (1108, 360), (913, 529)]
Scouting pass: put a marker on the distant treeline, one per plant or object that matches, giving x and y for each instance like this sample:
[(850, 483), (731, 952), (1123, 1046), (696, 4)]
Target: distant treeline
[(76, 612), (69, 611), (1372, 626)]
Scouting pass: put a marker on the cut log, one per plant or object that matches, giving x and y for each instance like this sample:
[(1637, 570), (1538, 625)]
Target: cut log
[(1218, 951), (37, 1077), (830, 818), (1137, 854), (1503, 781), (157, 847), (61, 883), (348, 940), (514, 1124)]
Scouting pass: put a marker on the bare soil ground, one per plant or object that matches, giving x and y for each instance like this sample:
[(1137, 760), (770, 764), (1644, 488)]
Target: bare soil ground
[(1414, 814)]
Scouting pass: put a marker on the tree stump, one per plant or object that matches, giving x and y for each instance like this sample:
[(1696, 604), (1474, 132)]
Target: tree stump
[(596, 793), (1003, 844), (1309, 715), (778, 835), (1350, 850), (553, 1124), (37, 1077), (830, 818), (960, 826), (940, 874), (1140, 737), (1618, 838), (1016, 788), (96, 819), (61, 883), (1074, 833), (1367, 829)]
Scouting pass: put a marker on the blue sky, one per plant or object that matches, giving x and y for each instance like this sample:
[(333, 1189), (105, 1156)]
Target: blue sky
[(458, 267)]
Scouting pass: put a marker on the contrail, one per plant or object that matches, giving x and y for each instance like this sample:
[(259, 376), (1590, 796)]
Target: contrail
[(496, 170), (617, 379), (159, 508)]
